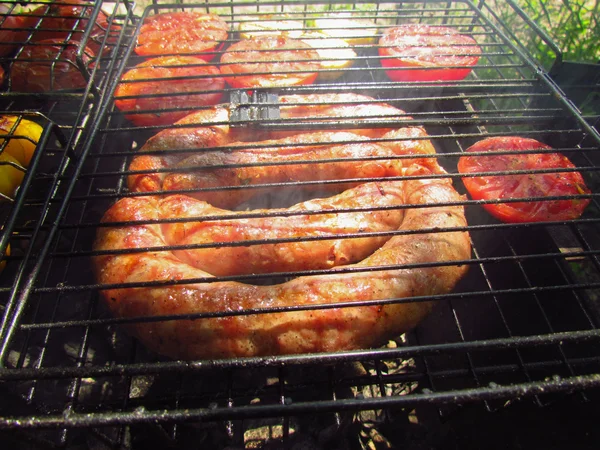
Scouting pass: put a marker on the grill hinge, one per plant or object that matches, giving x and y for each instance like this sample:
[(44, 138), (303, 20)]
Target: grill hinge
[(249, 108)]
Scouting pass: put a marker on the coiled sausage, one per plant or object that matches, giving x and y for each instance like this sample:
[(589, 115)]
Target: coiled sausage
[(209, 128), (407, 265), (369, 210), (151, 267)]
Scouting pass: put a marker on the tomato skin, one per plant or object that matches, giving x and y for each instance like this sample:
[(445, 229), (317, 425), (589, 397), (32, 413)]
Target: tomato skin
[(426, 52), (183, 32), (12, 29), (196, 76), (68, 21), (270, 61), (523, 185), (49, 65)]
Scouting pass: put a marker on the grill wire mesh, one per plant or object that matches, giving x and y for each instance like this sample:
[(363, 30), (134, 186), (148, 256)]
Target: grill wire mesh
[(521, 324)]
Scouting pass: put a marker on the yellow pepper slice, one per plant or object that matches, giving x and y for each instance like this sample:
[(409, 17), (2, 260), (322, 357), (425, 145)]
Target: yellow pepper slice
[(11, 177), (26, 136)]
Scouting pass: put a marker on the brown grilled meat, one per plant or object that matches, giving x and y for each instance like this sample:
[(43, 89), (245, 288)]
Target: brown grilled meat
[(401, 269), (180, 243), (225, 178), (202, 231), (209, 128)]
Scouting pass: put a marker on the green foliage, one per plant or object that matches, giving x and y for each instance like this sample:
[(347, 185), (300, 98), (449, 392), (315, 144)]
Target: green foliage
[(574, 25)]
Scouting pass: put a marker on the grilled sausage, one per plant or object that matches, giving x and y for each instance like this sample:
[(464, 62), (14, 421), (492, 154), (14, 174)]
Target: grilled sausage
[(209, 128), (193, 226), (222, 177), (410, 264), (363, 113), (281, 161), (161, 263)]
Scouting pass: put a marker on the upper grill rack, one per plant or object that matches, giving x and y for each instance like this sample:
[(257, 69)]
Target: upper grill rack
[(33, 90), (63, 352), (76, 37)]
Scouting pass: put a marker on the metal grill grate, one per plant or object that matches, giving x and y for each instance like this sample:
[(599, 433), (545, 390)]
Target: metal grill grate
[(27, 217), (522, 323)]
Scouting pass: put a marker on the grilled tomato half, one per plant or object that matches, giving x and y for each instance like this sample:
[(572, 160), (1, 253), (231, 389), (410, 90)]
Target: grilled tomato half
[(3, 261), (184, 32), (49, 65), (162, 90), (270, 61), (13, 28), (543, 176), (419, 52), (68, 20)]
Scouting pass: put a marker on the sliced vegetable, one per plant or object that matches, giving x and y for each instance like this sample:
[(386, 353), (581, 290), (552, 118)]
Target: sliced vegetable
[(335, 54), (190, 81), (523, 186), (269, 61), (182, 32), (49, 65), (11, 176), (270, 26), (427, 53), (21, 137), (354, 31)]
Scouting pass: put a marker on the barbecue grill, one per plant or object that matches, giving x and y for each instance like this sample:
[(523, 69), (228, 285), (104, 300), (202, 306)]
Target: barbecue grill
[(521, 326)]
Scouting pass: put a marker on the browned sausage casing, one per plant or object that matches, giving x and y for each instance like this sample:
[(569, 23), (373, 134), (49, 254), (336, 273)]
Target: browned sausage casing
[(404, 257), (282, 236), (209, 128), (211, 174), (171, 268)]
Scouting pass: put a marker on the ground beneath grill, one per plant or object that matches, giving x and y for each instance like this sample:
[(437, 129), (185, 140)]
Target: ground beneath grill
[(566, 424)]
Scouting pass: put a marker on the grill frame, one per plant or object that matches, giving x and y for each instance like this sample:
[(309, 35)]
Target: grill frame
[(64, 116), (283, 407)]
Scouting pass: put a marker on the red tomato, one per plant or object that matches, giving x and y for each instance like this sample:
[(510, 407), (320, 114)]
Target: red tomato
[(428, 53), (49, 65), (183, 32), (270, 61), (12, 29), (194, 84), (523, 185), (68, 21)]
